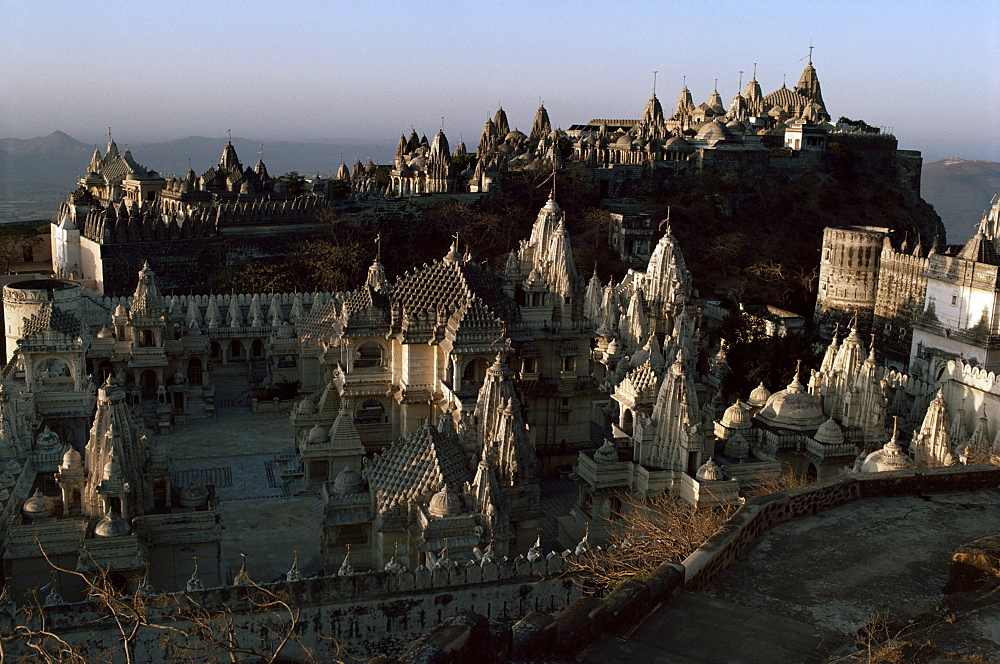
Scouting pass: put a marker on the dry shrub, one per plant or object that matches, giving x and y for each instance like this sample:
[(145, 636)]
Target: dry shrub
[(647, 533)]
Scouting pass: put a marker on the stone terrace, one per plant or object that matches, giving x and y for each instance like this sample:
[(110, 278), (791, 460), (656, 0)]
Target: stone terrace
[(237, 451)]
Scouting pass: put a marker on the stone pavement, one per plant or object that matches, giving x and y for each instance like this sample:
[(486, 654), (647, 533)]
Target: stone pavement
[(811, 581), (237, 452), (558, 494)]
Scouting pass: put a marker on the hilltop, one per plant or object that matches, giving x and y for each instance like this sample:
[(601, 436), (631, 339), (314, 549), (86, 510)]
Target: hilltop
[(37, 173)]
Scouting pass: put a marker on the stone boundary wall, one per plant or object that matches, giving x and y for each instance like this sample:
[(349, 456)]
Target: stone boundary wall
[(588, 618), (366, 613)]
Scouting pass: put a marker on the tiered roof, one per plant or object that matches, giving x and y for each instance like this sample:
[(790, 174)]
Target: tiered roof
[(421, 464)]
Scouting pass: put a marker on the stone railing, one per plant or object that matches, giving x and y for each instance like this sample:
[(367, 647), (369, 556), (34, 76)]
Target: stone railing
[(469, 637)]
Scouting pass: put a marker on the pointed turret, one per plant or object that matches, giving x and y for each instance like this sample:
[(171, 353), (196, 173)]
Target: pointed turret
[(500, 120), (685, 104), (147, 301), (541, 127), (932, 443), (229, 161), (808, 87)]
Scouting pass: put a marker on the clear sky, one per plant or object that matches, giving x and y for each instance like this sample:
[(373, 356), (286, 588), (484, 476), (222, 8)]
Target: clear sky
[(930, 69)]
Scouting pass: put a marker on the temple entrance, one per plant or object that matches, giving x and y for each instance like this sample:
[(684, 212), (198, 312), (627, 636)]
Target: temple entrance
[(148, 384)]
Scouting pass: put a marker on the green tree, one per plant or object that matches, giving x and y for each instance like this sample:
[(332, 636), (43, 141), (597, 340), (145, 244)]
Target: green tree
[(293, 182), (15, 240)]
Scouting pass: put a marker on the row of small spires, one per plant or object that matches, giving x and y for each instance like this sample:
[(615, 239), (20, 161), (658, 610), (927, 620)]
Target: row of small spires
[(432, 561)]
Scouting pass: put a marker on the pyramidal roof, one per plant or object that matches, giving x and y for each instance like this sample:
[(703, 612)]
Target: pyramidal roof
[(51, 317), (420, 464)]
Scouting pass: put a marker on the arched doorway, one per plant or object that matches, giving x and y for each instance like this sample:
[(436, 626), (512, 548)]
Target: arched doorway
[(216, 352), (370, 411), (474, 374), (194, 371), (627, 421), (148, 384), (235, 350), (257, 349), (369, 355)]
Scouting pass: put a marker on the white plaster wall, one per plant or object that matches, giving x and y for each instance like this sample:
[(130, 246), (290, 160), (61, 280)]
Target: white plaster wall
[(961, 307)]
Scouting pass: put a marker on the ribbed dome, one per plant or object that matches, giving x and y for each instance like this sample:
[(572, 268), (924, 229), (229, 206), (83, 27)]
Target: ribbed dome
[(736, 417), (737, 447), (445, 503), (759, 396), (348, 481), (890, 457), (39, 506), (793, 408), (712, 131), (318, 434), (112, 525), (676, 143), (72, 459), (307, 407), (829, 433), (709, 472)]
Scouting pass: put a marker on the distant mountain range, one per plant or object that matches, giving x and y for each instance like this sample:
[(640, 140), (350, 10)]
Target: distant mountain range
[(37, 173), (960, 191)]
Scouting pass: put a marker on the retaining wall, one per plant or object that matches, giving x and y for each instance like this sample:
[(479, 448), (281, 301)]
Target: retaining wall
[(589, 619)]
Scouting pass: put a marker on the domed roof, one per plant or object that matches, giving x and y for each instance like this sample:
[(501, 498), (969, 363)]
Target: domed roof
[(112, 469), (348, 481), (737, 447), (119, 310), (105, 333), (112, 525), (72, 459), (793, 408), (515, 135), (194, 495), (736, 417), (624, 141), (709, 472), (157, 455), (606, 453), (307, 407), (318, 434), (712, 131), (759, 395), (676, 143), (829, 433), (890, 457), (39, 506), (735, 127), (445, 503), (246, 187)]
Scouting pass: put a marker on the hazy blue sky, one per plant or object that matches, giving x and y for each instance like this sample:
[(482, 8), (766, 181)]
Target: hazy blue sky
[(368, 70)]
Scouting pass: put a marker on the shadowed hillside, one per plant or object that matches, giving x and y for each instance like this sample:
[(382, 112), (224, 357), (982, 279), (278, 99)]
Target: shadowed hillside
[(960, 192)]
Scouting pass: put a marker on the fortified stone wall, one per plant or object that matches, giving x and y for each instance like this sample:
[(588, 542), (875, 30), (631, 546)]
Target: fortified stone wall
[(848, 275), (366, 614), (588, 618), (899, 299)]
